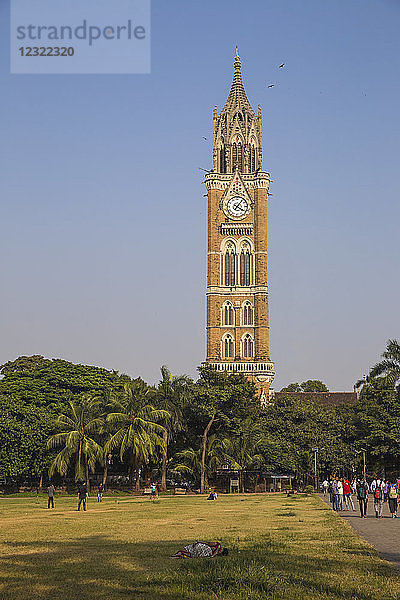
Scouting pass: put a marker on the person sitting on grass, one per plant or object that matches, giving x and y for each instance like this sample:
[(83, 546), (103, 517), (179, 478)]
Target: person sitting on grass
[(201, 550)]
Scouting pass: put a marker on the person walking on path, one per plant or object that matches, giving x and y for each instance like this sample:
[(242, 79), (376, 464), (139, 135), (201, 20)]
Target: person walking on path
[(340, 494), (362, 497), (82, 495), (393, 499), (100, 491), (385, 491), (50, 493), (325, 486), (378, 501), (347, 494), (377, 483), (334, 494)]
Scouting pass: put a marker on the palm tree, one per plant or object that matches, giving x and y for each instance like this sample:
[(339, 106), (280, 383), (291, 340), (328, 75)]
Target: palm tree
[(138, 434), (202, 467), (244, 449), (77, 441), (170, 390), (389, 367)]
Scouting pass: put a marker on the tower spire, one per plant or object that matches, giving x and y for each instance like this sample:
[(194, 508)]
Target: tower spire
[(237, 97)]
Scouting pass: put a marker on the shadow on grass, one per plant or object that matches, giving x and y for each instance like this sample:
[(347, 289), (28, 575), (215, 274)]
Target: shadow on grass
[(97, 567)]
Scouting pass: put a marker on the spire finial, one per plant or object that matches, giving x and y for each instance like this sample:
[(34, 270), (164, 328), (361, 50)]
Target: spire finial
[(237, 63)]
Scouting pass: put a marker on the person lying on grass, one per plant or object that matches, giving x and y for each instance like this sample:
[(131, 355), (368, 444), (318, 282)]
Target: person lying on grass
[(201, 550)]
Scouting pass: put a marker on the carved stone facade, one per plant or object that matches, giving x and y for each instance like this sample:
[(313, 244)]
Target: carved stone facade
[(237, 292)]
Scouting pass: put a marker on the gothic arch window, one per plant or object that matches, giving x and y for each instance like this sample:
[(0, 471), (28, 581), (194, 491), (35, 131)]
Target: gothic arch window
[(252, 159), (237, 155), (246, 264), (247, 313), (247, 346), (230, 265), (234, 155), (227, 314), (252, 155), (227, 346), (222, 161), (240, 157)]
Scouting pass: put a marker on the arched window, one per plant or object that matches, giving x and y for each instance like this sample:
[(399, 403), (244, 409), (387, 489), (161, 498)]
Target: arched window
[(222, 163), (228, 314), (237, 155), (247, 313), (234, 156), (240, 157), (246, 264), (230, 265), (252, 159), (228, 346), (247, 346)]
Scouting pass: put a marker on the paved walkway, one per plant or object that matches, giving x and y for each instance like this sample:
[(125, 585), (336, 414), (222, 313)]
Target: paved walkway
[(383, 533)]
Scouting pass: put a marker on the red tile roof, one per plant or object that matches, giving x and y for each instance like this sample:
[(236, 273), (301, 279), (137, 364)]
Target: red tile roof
[(325, 398)]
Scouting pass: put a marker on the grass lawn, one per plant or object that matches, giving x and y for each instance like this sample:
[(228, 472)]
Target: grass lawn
[(280, 548)]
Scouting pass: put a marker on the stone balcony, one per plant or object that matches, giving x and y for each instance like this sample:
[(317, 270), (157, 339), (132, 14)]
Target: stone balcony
[(247, 368)]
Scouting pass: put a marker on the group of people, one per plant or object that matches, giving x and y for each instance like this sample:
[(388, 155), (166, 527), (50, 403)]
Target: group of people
[(341, 492), (82, 495)]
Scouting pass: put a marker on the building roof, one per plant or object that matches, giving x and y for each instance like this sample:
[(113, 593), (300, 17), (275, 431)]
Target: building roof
[(324, 398)]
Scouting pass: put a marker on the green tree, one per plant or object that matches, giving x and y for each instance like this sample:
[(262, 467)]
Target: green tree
[(24, 430), (52, 383), (377, 413), (78, 445), (138, 433), (170, 393), (311, 385), (192, 462), (218, 400), (389, 367), (293, 426), (243, 449), (292, 387)]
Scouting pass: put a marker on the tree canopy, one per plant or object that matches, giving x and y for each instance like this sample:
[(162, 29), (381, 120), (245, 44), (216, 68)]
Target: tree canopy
[(311, 385), (194, 427)]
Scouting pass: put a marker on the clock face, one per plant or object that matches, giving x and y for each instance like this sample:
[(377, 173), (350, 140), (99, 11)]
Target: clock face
[(237, 206)]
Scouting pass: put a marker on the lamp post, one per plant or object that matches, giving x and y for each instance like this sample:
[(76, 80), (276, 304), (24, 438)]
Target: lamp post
[(363, 451), (315, 450)]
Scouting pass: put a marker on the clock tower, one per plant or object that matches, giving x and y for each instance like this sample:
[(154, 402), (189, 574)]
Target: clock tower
[(237, 292)]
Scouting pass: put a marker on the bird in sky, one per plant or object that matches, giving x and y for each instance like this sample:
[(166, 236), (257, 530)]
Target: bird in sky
[(271, 86), (204, 138), (282, 65)]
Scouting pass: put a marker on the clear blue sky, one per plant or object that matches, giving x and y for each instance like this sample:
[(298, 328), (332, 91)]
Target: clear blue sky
[(103, 236)]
